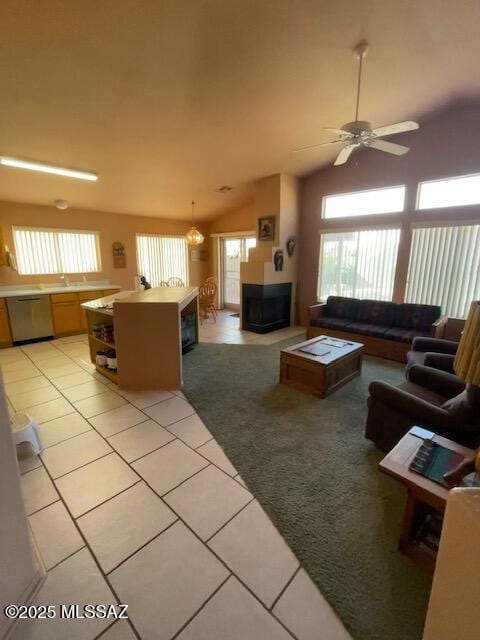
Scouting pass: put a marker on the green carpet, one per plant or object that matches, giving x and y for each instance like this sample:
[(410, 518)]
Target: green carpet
[(308, 463)]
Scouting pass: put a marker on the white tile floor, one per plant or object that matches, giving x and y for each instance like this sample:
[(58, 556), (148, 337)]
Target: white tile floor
[(133, 501)]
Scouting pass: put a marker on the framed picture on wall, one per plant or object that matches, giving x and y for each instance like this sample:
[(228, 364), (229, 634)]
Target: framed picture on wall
[(266, 228)]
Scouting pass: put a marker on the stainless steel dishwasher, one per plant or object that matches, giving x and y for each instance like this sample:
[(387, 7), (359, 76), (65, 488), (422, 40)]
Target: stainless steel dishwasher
[(30, 317)]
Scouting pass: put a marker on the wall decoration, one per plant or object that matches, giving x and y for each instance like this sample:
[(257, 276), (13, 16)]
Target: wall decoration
[(290, 246), (278, 260), (198, 255), (266, 228), (119, 257)]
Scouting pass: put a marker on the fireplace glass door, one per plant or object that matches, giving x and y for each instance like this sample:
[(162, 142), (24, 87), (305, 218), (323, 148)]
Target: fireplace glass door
[(235, 251)]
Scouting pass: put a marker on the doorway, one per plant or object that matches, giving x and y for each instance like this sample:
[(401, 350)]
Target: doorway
[(234, 251)]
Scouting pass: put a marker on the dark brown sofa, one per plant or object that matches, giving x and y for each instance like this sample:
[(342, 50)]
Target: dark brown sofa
[(387, 329), (429, 398)]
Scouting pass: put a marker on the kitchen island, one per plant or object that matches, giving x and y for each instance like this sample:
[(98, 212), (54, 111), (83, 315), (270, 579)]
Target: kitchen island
[(147, 331)]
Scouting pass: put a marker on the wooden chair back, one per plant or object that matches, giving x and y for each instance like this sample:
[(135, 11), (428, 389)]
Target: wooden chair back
[(174, 281)]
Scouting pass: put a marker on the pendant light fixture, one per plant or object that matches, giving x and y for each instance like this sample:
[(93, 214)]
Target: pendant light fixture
[(193, 237)]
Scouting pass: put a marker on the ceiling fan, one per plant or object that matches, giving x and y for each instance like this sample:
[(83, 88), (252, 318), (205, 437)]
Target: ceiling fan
[(359, 132)]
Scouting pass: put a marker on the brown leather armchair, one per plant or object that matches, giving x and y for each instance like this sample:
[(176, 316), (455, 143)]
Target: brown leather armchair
[(432, 352), (429, 398)]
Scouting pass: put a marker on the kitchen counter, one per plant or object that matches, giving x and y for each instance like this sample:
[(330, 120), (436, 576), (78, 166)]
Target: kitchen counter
[(35, 290), (105, 305)]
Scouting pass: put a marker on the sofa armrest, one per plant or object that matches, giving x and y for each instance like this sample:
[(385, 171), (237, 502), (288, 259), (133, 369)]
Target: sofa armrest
[(317, 310), (441, 382), (420, 410), (443, 361), (436, 345), (438, 327)]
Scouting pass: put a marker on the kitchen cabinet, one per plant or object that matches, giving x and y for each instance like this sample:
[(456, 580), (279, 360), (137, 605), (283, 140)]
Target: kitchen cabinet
[(5, 333), (66, 313), (108, 292)]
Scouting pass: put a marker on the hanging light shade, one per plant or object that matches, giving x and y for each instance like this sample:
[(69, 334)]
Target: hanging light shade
[(193, 237)]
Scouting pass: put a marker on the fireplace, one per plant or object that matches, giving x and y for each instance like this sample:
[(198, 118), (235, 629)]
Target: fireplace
[(266, 307)]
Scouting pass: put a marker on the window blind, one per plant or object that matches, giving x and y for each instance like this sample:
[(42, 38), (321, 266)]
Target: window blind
[(46, 251), (358, 264), (162, 257), (444, 268)]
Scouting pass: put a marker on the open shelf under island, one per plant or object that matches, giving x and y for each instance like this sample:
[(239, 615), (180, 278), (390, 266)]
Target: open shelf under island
[(148, 330)]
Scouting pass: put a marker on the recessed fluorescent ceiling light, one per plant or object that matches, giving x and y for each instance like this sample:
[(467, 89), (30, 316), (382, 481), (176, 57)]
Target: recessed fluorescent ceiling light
[(46, 168)]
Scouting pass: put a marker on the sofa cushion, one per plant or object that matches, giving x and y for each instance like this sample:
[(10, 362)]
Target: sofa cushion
[(340, 307), (376, 312), (367, 329), (403, 335), (423, 393), (331, 323), (417, 316)]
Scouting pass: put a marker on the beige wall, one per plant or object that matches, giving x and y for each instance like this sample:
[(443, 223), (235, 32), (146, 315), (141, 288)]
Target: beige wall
[(240, 219), (19, 572), (445, 145), (112, 227)]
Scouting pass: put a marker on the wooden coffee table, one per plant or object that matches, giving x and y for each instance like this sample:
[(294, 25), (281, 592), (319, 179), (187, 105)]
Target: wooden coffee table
[(321, 375), (423, 494)]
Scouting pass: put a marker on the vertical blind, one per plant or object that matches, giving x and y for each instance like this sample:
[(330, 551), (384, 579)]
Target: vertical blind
[(358, 264), (44, 251), (162, 257), (444, 268)]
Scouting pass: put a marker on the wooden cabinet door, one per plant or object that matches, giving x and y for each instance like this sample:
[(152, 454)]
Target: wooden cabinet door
[(109, 292), (5, 334), (66, 317)]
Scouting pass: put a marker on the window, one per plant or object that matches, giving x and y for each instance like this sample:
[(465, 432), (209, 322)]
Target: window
[(450, 192), (445, 268), (364, 203), (162, 257), (358, 264), (43, 251)]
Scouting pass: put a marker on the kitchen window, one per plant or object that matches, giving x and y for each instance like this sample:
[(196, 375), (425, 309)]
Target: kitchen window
[(364, 203), (162, 257), (358, 264), (49, 251)]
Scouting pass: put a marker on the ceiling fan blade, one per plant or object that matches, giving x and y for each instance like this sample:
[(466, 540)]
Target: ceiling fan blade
[(389, 147), (344, 154), (399, 127), (339, 132), (315, 146)]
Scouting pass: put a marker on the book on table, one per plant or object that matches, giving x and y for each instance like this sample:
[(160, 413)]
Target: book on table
[(433, 461)]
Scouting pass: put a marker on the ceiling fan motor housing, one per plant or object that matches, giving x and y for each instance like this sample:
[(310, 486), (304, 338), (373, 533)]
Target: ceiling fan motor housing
[(357, 127)]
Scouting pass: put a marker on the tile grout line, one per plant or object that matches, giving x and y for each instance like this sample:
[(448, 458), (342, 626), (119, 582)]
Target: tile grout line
[(282, 591), (214, 593)]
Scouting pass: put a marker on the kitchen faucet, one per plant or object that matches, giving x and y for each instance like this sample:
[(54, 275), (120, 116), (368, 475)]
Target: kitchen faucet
[(66, 282)]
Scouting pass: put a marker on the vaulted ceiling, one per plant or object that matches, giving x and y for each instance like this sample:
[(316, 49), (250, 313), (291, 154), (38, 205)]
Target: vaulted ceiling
[(170, 99)]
